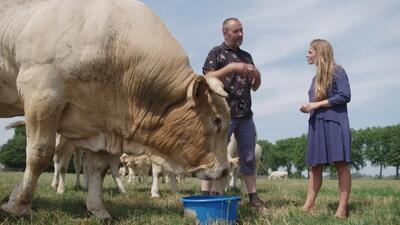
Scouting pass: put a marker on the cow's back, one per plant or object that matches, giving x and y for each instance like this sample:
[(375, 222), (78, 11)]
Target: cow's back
[(106, 54)]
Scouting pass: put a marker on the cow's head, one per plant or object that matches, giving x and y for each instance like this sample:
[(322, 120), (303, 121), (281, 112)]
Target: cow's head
[(194, 133)]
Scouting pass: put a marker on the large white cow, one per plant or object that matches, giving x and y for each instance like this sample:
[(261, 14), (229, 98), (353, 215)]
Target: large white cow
[(108, 76)]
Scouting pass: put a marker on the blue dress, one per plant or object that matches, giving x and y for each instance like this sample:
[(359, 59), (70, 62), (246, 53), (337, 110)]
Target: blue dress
[(329, 137)]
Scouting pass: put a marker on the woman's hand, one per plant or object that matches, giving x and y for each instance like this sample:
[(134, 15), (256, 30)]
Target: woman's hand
[(306, 108)]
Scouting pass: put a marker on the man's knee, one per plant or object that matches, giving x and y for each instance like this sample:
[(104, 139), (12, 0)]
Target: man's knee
[(248, 166)]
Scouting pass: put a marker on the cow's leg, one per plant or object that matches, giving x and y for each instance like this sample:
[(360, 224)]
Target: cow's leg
[(43, 107), (131, 175), (97, 169), (77, 164), (85, 171), (58, 154), (174, 187), (114, 170), (156, 170), (233, 181), (56, 175), (63, 167)]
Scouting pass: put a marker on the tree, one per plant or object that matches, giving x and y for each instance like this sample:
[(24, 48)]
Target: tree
[(394, 147), (12, 154), (358, 145), (298, 154), (377, 147), (284, 149)]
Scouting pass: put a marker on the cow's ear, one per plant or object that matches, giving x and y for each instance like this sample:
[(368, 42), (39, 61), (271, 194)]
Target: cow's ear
[(197, 90)]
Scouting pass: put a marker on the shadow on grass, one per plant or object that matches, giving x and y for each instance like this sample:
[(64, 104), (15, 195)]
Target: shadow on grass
[(282, 203), (76, 208), (354, 205)]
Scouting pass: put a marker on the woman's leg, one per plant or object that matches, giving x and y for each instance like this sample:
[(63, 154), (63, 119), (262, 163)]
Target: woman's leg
[(314, 185), (344, 176)]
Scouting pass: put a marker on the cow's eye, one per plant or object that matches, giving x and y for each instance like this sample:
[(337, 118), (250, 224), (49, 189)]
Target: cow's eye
[(218, 123)]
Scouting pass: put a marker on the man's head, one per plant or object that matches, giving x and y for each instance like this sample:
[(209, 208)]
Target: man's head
[(233, 32)]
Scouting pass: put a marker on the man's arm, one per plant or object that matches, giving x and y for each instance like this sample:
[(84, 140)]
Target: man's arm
[(255, 84), (241, 68), (221, 73)]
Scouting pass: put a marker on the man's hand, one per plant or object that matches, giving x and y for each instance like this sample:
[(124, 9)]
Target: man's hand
[(243, 68), (249, 70)]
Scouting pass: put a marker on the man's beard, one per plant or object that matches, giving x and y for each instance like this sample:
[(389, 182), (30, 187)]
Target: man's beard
[(238, 43)]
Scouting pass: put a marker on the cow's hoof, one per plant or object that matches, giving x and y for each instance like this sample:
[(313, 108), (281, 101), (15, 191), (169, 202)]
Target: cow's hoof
[(60, 191), (102, 215), (16, 209), (155, 195)]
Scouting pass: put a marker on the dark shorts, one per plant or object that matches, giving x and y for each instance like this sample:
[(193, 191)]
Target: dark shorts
[(245, 134)]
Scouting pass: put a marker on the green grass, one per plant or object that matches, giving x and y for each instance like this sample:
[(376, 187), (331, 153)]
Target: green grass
[(372, 202)]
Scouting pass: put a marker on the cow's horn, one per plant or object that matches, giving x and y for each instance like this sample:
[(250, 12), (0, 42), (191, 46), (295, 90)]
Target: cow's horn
[(216, 86)]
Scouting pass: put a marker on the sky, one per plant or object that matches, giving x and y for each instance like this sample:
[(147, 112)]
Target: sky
[(365, 36)]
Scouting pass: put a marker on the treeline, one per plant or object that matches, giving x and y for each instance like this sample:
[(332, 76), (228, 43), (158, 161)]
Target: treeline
[(379, 145)]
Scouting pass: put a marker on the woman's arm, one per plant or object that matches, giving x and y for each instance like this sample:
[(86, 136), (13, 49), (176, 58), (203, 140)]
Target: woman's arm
[(306, 108), (342, 86)]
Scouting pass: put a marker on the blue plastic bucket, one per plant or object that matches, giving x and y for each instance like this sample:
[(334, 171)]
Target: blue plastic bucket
[(208, 209)]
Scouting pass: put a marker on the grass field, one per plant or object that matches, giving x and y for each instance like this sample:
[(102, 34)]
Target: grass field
[(372, 202)]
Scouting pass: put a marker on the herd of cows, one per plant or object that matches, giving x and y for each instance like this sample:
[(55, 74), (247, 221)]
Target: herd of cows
[(108, 77)]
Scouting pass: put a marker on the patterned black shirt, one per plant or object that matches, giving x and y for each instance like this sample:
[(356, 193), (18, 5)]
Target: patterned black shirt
[(236, 85)]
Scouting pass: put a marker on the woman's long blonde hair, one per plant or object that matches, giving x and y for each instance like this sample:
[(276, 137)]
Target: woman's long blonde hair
[(325, 64)]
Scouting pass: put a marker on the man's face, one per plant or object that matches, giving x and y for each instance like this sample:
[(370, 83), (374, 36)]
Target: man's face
[(234, 33)]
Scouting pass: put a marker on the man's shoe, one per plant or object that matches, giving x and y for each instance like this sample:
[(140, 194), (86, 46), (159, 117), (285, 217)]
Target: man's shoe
[(257, 203)]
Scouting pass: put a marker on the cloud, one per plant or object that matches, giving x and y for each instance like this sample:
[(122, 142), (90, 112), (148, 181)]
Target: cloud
[(279, 29)]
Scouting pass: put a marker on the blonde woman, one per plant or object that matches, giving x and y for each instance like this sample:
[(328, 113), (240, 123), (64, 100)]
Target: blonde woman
[(329, 137)]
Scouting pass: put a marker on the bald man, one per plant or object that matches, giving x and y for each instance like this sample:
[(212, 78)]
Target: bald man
[(236, 69)]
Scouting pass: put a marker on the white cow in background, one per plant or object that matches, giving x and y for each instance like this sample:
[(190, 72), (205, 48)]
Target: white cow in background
[(139, 167), (156, 170), (233, 158), (278, 175), (62, 157)]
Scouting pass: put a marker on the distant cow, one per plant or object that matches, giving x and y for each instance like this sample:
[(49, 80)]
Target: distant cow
[(108, 76), (278, 175), (62, 157), (138, 167)]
